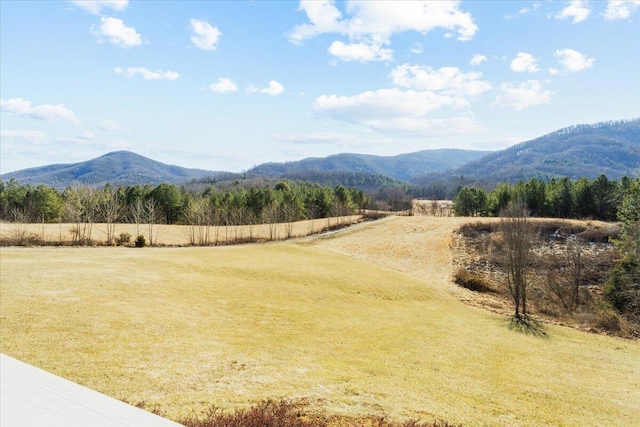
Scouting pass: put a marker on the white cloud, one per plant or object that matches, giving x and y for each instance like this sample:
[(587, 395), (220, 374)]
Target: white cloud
[(383, 103), (340, 139), (147, 74), (448, 80), (273, 89), (117, 33), (554, 71), (420, 126), (524, 63), (417, 48), (204, 36), (361, 52), (96, 6), (478, 59), (224, 85), (573, 61), (617, 9), (578, 10), (373, 23), (86, 136), (50, 113), (521, 96), (110, 125), (525, 10), (29, 136)]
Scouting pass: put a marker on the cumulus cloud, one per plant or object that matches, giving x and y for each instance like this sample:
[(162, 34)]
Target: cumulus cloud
[(448, 80), (29, 136), (47, 112), (204, 36), (524, 63), (389, 103), (373, 23), (578, 10), (95, 6), (478, 59), (361, 52), (117, 33), (224, 85), (110, 125), (521, 96), (573, 61), (273, 89), (147, 74), (420, 126), (620, 9)]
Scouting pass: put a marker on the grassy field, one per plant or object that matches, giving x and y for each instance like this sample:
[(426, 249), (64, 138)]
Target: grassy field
[(362, 321), (172, 235)]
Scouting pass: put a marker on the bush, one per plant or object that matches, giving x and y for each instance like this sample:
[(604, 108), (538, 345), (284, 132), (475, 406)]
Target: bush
[(123, 239), (471, 281), (473, 229), (600, 235), (283, 413), (140, 242)]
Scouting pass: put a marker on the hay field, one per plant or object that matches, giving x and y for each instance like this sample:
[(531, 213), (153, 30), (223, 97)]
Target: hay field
[(173, 235), (362, 321)]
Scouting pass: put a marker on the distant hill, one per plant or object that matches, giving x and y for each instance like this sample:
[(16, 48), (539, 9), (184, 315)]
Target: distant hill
[(609, 148), (118, 168), (402, 167)]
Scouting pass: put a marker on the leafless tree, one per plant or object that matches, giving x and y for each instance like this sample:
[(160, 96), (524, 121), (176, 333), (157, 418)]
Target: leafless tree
[(518, 234), (270, 216), (110, 209), (20, 218), (80, 208), (566, 272), (137, 214), (151, 215)]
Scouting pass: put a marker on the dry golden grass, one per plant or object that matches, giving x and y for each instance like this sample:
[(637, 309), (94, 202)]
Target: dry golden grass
[(364, 321), (172, 235)]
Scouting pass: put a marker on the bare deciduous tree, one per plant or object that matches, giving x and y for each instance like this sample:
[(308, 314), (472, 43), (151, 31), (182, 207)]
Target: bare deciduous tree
[(110, 209), (518, 236), (566, 273), (151, 215)]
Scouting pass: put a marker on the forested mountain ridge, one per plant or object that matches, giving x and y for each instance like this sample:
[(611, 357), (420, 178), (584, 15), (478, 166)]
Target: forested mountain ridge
[(606, 148), (402, 166), (118, 168)]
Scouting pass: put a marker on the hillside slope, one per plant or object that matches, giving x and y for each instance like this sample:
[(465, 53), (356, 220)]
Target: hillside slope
[(230, 326), (118, 168), (402, 166), (609, 148)]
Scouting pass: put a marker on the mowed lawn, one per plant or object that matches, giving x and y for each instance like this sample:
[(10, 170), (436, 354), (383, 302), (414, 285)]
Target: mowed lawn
[(341, 323)]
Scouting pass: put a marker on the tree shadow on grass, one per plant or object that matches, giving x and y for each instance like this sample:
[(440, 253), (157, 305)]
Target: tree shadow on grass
[(528, 326)]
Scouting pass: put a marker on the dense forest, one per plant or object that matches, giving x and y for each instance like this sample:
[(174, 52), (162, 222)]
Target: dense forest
[(599, 198)]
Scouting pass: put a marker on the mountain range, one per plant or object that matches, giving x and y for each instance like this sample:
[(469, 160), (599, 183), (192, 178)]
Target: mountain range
[(609, 148)]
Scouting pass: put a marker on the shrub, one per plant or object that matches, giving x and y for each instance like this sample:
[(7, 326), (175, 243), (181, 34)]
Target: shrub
[(123, 239), (600, 235), (140, 242), (283, 413), (473, 229), (471, 281)]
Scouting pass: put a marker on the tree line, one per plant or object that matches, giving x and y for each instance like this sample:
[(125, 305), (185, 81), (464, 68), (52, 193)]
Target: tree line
[(82, 205), (558, 198)]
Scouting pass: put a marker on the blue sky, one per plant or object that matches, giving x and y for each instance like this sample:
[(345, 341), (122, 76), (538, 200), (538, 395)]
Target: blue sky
[(228, 85)]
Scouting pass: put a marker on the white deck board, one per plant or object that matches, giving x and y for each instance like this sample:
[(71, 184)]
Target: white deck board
[(32, 397)]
